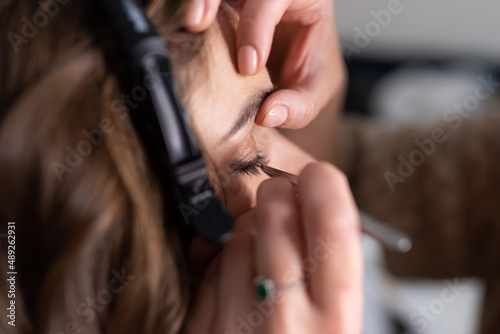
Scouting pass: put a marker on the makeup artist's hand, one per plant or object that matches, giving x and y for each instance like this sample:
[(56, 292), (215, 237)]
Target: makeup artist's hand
[(304, 58), (286, 238)]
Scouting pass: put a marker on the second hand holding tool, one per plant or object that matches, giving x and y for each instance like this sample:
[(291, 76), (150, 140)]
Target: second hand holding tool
[(386, 235)]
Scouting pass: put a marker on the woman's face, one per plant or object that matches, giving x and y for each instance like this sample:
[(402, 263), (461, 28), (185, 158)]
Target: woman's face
[(223, 105)]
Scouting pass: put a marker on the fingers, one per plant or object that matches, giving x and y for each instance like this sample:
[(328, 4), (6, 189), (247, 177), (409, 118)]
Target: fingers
[(311, 75), (316, 232), (235, 287), (287, 108), (255, 33), (333, 240), (297, 106), (202, 316), (200, 14), (312, 70), (279, 244)]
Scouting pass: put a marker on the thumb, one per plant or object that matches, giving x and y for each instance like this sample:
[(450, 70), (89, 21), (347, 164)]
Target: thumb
[(288, 108)]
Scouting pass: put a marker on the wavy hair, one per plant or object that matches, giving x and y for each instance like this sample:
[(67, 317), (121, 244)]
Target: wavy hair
[(95, 247)]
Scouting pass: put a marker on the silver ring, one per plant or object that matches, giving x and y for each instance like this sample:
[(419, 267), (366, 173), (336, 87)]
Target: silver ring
[(267, 289)]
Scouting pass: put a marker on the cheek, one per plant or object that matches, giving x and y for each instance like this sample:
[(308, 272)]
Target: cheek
[(241, 195)]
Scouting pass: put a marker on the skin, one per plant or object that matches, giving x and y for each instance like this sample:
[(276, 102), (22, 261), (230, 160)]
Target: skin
[(207, 105), (297, 40), (275, 230)]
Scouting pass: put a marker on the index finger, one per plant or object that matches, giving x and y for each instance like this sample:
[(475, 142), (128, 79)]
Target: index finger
[(256, 27), (333, 237), (200, 14)]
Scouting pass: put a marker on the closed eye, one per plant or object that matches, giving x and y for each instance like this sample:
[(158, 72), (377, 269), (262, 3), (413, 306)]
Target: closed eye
[(249, 167)]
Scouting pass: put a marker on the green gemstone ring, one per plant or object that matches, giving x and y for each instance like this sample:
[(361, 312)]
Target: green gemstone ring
[(267, 289)]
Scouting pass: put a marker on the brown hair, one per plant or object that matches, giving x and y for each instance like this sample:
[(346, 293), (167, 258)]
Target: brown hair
[(95, 249)]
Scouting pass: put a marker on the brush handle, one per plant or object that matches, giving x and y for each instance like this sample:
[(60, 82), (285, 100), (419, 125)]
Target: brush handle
[(388, 236)]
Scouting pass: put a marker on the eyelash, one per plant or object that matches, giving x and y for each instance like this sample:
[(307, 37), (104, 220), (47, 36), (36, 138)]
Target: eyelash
[(250, 167)]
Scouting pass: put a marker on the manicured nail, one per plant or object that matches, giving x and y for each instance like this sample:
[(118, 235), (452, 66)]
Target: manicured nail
[(276, 116), (247, 60), (195, 13)]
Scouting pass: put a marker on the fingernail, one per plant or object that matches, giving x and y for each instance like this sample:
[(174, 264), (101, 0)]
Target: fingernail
[(247, 60), (276, 116), (195, 13)]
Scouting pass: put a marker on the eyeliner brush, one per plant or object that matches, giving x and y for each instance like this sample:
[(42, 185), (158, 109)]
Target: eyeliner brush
[(388, 236)]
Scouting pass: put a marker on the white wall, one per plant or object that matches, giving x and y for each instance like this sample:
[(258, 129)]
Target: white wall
[(434, 28)]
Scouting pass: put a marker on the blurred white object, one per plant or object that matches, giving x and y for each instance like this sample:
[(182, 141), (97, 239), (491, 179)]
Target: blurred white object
[(421, 94), (423, 306)]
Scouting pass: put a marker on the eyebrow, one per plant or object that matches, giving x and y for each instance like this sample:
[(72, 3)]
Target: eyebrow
[(249, 112)]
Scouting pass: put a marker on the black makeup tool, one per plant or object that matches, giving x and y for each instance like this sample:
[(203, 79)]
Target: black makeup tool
[(162, 124)]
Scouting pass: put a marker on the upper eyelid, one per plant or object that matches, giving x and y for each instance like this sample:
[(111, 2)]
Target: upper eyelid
[(256, 153), (249, 112), (252, 112), (249, 167)]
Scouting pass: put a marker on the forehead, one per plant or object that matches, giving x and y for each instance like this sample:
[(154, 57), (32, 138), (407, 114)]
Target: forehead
[(218, 92)]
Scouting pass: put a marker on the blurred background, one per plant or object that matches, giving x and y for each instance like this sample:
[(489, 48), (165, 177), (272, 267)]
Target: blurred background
[(433, 42), (409, 61)]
